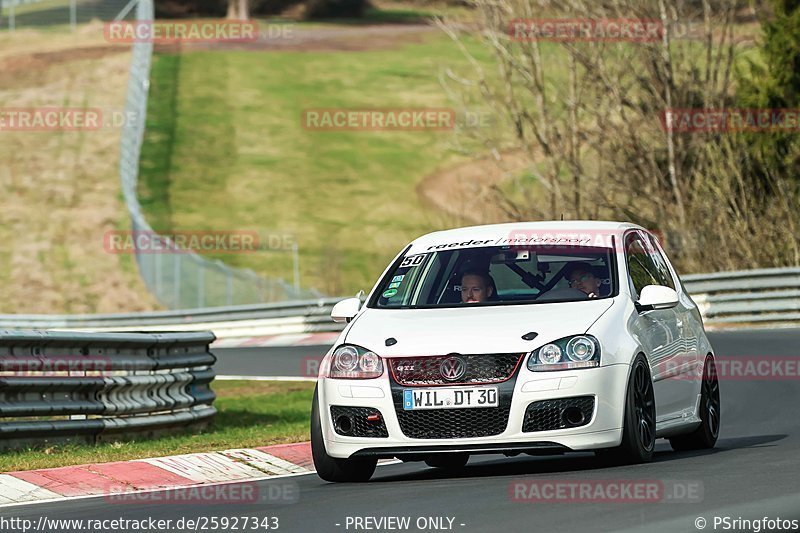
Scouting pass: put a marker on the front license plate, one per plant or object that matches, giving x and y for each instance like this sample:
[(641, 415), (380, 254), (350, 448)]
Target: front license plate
[(453, 398)]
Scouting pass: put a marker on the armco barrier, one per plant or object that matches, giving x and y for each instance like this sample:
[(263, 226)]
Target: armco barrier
[(92, 387), (747, 296), (308, 316)]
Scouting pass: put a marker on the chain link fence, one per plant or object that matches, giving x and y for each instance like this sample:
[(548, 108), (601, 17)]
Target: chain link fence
[(40, 14), (180, 279)]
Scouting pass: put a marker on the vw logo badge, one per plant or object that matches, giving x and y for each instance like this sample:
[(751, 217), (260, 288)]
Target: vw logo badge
[(453, 368)]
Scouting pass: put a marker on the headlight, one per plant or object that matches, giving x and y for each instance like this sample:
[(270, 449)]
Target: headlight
[(580, 348), (580, 351), (550, 353), (354, 362)]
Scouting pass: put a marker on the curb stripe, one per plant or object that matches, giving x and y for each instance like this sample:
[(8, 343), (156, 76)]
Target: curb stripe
[(266, 462), (205, 467), (13, 489), (154, 474)]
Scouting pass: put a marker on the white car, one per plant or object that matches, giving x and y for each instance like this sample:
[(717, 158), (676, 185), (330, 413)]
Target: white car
[(538, 338)]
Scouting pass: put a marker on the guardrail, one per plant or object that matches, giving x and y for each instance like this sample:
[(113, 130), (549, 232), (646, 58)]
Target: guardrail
[(307, 316), (94, 387), (747, 296), (767, 295)]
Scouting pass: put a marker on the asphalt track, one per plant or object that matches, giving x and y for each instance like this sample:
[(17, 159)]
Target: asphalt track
[(754, 472)]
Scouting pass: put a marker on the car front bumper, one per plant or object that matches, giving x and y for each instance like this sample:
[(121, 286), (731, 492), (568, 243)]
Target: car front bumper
[(606, 384)]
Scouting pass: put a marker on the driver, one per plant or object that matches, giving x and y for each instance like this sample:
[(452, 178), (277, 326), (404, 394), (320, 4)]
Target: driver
[(581, 276), (476, 286)]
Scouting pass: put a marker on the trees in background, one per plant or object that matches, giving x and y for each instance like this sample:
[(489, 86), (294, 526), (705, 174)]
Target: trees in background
[(772, 81), (238, 10), (590, 117), (244, 9)]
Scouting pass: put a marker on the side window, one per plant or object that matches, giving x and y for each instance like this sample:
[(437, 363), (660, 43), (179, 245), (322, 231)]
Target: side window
[(665, 276), (641, 267)]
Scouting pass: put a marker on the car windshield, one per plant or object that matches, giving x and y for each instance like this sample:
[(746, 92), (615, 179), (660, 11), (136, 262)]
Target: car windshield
[(497, 275)]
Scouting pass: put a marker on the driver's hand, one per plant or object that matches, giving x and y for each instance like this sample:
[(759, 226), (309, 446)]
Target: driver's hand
[(592, 295)]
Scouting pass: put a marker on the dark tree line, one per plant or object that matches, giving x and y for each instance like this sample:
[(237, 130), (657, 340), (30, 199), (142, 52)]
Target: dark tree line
[(234, 8)]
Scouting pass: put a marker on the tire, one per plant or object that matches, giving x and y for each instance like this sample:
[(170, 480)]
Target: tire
[(448, 461), (639, 422), (705, 436), (330, 468)]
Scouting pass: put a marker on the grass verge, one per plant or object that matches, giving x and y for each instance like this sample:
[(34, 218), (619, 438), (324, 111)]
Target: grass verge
[(61, 188), (225, 149), (251, 413)]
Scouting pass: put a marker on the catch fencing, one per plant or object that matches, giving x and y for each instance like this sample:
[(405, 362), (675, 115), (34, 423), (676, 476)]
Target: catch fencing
[(180, 278), (47, 14)]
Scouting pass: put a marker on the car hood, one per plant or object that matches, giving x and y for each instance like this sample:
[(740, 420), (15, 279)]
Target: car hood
[(496, 329)]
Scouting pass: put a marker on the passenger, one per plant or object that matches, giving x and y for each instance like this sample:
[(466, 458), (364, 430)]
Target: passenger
[(476, 286), (581, 276)]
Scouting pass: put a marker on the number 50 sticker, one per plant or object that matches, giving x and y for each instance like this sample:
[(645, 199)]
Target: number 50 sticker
[(412, 260)]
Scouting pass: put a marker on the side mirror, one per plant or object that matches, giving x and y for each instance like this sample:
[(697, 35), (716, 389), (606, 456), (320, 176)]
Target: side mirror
[(345, 310), (656, 297)]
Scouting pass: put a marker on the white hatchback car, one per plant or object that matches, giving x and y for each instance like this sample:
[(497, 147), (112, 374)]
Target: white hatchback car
[(538, 338)]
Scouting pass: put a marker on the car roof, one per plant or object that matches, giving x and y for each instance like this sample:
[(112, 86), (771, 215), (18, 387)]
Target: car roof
[(496, 234)]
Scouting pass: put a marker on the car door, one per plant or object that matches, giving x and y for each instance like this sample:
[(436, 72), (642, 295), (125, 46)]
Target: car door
[(685, 308), (659, 331)]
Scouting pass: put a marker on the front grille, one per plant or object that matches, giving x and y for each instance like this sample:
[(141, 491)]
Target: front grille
[(359, 426), (453, 423), (547, 415), (458, 423), (483, 368)]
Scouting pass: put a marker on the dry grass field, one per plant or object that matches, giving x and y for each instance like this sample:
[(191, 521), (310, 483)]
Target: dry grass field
[(60, 189)]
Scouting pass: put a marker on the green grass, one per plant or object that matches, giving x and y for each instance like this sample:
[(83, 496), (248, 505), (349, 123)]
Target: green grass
[(33, 8), (251, 413), (225, 149)]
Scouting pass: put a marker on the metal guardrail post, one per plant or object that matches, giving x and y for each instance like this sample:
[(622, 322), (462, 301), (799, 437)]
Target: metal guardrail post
[(201, 287), (176, 279), (159, 277)]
